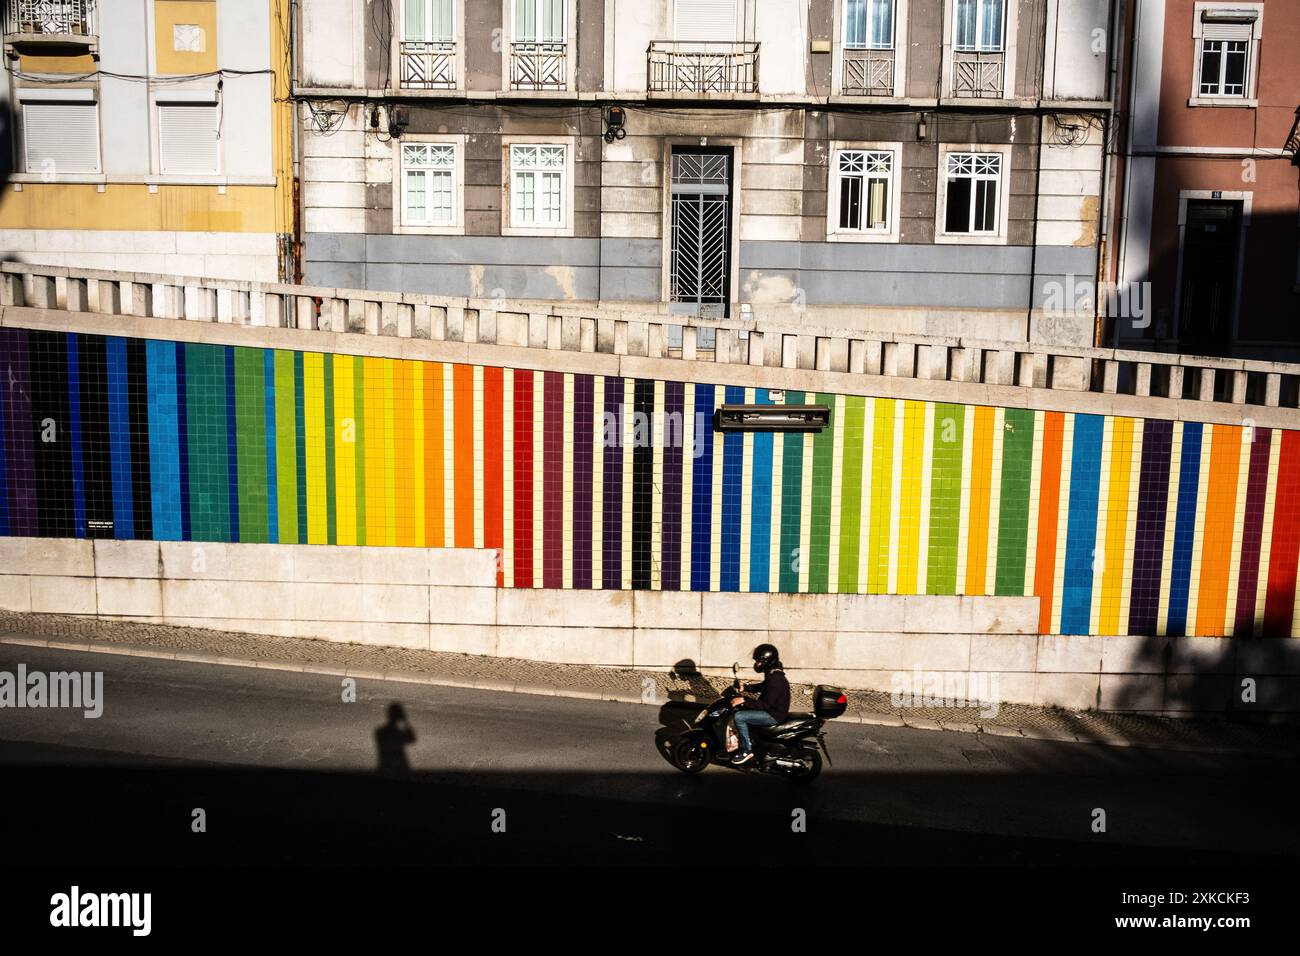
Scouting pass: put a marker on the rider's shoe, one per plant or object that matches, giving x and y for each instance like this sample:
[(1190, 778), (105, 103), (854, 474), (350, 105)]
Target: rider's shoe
[(743, 759)]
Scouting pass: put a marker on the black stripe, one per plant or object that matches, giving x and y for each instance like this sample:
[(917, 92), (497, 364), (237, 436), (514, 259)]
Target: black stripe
[(642, 481), (52, 434), (96, 454), (137, 381)]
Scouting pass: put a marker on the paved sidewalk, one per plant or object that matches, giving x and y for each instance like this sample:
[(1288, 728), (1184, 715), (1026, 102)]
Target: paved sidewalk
[(618, 684)]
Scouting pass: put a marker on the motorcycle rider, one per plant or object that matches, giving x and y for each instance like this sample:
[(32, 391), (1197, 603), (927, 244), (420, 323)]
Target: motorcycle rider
[(772, 706)]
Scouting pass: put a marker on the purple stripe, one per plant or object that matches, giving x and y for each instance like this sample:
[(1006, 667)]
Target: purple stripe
[(1252, 533), (670, 560), (612, 503), (20, 453), (1149, 537), (584, 397)]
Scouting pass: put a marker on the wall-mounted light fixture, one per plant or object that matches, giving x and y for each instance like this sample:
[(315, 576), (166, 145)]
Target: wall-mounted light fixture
[(399, 117), (921, 129), (615, 121), (772, 418)]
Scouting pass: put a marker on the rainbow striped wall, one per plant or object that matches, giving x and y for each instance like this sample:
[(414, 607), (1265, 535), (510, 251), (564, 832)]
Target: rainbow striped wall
[(1120, 525)]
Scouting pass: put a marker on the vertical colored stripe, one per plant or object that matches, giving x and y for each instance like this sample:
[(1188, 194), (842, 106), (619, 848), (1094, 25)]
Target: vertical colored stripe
[(945, 498), (523, 478), (791, 504), (702, 493), (820, 539), (1279, 603), (1189, 469), (1049, 508), (164, 442), (981, 494), (1252, 531), (1118, 503), (674, 456), (1149, 533), (760, 529), (250, 435), (462, 377), (733, 450), (1217, 529), (493, 463), (611, 551), (1081, 524), (553, 480)]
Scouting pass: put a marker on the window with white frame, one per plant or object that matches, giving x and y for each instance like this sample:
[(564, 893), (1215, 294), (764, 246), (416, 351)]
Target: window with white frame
[(428, 21), (428, 184), (971, 191), (538, 187), (61, 138), (869, 24), (1226, 48), (539, 21), (864, 180), (979, 25), (188, 142)]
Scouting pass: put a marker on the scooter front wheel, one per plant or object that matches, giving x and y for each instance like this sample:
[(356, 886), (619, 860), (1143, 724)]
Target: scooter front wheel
[(690, 756)]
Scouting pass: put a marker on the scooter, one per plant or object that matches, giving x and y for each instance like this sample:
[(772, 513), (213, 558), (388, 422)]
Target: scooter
[(792, 749)]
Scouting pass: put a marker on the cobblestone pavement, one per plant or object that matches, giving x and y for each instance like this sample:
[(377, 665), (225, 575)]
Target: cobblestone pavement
[(609, 683)]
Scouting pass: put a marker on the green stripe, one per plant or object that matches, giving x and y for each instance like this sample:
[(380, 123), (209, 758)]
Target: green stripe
[(250, 439), (791, 493), (882, 503), (286, 449), (851, 496), (331, 517), (1013, 513), (945, 498), (359, 442), (820, 539), (205, 378)]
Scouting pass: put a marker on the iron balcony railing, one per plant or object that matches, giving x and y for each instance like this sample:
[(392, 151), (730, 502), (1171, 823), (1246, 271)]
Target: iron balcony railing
[(678, 66), (868, 73), (427, 65), (53, 18), (978, 73), (539, 66)]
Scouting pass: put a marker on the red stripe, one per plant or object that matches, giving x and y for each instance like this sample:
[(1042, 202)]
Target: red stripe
[(523, 451), (1279, 604), (492, 459), (1049, 497)]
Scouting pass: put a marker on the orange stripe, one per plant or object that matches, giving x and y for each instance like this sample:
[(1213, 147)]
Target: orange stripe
[(463, 399), (433, 478), (404, 426), (1216, 543), (1049, 501), (981, 490)]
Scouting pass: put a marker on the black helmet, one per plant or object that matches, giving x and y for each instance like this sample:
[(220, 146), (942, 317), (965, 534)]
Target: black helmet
[(765, 657)]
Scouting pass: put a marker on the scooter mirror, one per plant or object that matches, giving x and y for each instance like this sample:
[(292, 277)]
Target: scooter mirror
[(735, 668)]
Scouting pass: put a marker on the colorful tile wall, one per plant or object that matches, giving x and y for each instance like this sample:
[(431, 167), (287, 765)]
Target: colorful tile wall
[(1119, 525)]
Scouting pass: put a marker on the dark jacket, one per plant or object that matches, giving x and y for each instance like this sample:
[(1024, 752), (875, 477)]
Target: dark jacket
[(773, 695)]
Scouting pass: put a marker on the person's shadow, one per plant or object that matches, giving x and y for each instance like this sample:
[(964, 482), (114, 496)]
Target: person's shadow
[(391, 740)]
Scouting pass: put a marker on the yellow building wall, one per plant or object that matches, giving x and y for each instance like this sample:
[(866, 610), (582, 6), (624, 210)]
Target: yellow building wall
[(58, 64), (167, 15), (171, 208)]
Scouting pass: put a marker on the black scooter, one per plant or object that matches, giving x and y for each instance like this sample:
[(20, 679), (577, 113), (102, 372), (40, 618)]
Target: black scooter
[(792, 749)]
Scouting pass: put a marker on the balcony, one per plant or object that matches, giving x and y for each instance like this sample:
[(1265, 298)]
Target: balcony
[(427, 65), (694, 68), (978, 74), (539, 66), (51, 24), (868, 73)]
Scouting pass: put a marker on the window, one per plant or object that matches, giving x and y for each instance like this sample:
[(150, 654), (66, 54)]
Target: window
[(979, 25), (61, 138), (538, 188), (427, 21), (428, 184), (187, 139), (865, 179), (1227, 53), (869, 24), (539, 21), (971, 193), (1223, 67)]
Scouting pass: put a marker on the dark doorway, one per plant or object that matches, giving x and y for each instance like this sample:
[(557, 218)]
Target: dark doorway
[(1208, 295), (700, 260)]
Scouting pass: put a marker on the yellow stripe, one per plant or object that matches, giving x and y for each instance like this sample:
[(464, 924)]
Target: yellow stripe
[(345, 450), (313, 366), (1118, 500)]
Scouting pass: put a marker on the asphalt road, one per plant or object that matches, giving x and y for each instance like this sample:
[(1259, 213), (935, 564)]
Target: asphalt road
[(285, 771)]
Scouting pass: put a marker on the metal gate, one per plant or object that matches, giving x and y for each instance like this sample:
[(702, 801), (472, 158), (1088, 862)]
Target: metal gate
[(700, 264)]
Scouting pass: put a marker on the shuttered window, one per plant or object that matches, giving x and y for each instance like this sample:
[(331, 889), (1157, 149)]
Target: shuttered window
[(61, 138), (706, 20), (187, 139), (1225, 57)]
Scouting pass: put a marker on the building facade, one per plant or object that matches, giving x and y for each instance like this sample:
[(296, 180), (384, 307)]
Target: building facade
[(150, 137), (1209, 186), (913, 165)]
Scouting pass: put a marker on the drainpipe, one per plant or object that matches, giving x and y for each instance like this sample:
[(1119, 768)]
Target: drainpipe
[(1108, 170), (296, 143)]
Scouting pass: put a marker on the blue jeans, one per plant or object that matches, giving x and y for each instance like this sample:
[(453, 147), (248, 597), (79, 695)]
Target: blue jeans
[(745, 719)]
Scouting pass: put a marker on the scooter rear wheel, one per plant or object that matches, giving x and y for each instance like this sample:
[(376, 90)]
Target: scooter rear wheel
[(689, 756), (811, 766)]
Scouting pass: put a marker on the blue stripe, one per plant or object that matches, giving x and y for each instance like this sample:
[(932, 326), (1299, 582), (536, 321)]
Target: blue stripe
[(232, 445), (702, 491), (300, 428), (4, 464), (272, 492), (74, 419), (760, 525), (119, 435), (164, 441), (1081, 530), (1180, 578), (183, 442), (733, 448)]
